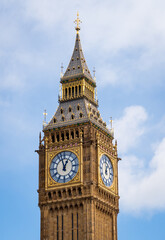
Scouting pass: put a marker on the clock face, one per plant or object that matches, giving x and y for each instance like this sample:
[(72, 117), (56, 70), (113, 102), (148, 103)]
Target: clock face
[(64, 167), (106, 170)]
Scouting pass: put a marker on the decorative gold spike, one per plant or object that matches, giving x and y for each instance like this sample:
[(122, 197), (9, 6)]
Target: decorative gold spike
[(44, 121), (94, 71), (45, 114), (111, 121), (77, 22), (62, 67)]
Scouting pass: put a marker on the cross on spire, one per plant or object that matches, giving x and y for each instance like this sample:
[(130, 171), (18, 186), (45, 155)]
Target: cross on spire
[(77, 22)]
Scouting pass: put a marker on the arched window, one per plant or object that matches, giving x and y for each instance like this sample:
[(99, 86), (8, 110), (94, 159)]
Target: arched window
[(53, 138), (54, 120), (58, 138), (69, 92), (59, 194), (81, 115), (69, 192), (79, 191), (77, 133), (72, 134), (49, 195), (62, 136), (79, 90), (72, 116), (72, 91), (76, 91), (67, 135), (70, 109), (65, 92)]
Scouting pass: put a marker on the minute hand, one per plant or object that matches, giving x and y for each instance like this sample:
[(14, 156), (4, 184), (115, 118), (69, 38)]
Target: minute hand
[(61, 159), (64, 167)]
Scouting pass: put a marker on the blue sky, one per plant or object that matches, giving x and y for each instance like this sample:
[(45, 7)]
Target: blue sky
[(125, 42)]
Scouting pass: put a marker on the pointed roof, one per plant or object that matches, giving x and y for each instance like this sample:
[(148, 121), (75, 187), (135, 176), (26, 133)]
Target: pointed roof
[(77, 66), (82, 111)]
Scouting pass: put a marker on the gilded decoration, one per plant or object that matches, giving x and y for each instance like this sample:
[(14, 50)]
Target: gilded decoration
[(50, 182), (113, 161)]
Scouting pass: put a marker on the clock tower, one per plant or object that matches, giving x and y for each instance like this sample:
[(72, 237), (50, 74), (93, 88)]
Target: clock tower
[(78, 162)]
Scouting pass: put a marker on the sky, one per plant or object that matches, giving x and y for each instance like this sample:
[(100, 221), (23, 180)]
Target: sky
[(125, 41)]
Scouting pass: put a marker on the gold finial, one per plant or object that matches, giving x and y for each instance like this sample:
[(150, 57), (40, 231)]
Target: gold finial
[(94, 74), (45, 114), (94, 71), (112, 129), (111, 121), (77, 22), (62, 67)]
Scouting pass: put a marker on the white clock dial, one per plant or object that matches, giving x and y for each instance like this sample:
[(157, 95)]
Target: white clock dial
[(106, 170), (64, 167)]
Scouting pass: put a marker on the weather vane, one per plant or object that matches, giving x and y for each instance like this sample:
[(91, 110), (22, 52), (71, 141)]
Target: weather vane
[(77, 22)]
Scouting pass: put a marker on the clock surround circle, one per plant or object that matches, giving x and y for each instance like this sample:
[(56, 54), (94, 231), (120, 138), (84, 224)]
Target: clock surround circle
[(106, 170), (64, 167)]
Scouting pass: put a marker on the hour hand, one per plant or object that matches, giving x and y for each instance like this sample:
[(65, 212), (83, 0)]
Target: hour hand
[(64, 165)]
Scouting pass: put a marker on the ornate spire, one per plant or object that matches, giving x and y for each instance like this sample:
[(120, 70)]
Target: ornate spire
[(77, 22), (77, 66)]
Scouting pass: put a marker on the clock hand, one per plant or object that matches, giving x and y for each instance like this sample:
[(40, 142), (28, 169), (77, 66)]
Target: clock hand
[(61, 159), (106, 169), (66, 162), (64, 166)]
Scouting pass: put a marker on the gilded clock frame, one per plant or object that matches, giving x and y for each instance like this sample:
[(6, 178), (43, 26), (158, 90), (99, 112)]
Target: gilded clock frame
[(50, 183), (112, 188)]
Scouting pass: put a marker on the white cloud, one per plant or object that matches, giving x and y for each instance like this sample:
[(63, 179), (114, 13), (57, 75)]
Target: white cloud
[(107, 74), (129, 31), (47, 14), (141, 189), (160, 127), (115, 28), (121, 24), (141, 183), (130, 127)]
